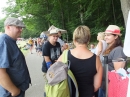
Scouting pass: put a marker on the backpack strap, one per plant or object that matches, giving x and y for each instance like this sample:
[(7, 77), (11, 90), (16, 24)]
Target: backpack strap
[(71, 77), (65, 56), (70, 74)]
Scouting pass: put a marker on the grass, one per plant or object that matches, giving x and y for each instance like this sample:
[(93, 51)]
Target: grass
[(21, 45)]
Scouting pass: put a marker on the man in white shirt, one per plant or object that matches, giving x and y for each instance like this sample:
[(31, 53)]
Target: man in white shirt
[(92, 48), (60, 39)]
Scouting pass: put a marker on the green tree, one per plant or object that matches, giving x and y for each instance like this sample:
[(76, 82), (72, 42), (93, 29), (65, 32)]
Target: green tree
[(39, 15), (2, 25)]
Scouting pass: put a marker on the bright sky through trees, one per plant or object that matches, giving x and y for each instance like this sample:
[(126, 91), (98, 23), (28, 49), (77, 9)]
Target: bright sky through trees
[(2, 4)]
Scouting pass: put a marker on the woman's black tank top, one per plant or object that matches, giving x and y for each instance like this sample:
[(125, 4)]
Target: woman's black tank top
[(84, 71)]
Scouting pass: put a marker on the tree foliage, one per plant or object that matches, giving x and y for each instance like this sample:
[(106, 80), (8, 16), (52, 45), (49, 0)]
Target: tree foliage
[(39, 15), (2, 25)]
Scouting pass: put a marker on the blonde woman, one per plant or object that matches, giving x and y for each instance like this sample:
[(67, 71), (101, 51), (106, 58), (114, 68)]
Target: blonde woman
[(85, 65), (101, 46), (99, 50)]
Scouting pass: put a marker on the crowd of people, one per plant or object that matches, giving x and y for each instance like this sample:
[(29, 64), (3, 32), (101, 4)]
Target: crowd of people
[(87, 64)]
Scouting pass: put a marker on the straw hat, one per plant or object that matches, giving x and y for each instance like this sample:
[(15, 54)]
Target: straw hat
[(53, 31), (61, 30), (113, 29)]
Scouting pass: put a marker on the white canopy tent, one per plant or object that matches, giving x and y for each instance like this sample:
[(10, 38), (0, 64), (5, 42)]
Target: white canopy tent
[(45, 32), (53, 27), (61, 30)]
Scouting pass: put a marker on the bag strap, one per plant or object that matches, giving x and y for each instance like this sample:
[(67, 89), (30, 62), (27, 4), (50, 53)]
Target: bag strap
[(70, 74), (65, 56)]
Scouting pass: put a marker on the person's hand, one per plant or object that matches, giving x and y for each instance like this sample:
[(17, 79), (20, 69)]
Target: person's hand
[(16, 92)]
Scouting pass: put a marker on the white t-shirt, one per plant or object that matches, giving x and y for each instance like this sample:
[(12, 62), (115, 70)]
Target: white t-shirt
[(92, 50), (60, 41)]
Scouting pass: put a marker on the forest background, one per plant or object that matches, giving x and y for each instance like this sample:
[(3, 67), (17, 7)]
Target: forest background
[(39, 15)]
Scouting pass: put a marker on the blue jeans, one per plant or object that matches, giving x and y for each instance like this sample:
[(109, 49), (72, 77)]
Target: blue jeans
[(101, 92)]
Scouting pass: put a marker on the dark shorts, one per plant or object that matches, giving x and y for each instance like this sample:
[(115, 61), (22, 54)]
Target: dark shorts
[(39, 49), (22, 94)]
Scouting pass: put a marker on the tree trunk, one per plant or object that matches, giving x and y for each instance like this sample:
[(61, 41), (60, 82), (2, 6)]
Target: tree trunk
[(125, 6), (48, 11), (62, 15), (81, 15), (68, 17)]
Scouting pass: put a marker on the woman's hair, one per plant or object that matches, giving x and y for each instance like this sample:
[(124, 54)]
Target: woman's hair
[(81, 35), (117, 42), (101, 35)]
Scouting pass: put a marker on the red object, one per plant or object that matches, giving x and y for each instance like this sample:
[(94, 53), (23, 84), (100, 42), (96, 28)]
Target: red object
[(113, 31), (117, 87)]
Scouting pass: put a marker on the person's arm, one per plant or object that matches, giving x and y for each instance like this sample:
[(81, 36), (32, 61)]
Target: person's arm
[(46, 54), (98, 76), (7, 84), (47, 59), (60, 58), (118, 65), (116, 55), (100, 46), (5, 80)]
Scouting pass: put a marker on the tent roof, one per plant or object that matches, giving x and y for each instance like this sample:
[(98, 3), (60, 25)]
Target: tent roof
[(53, 27)]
